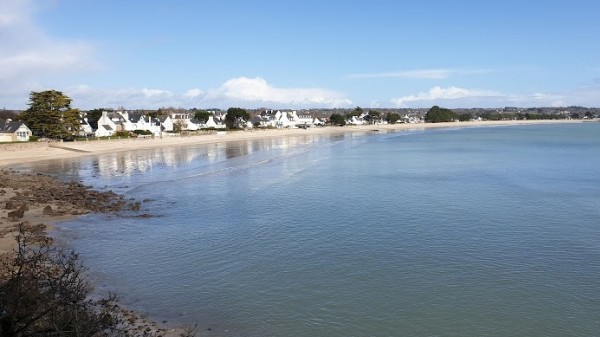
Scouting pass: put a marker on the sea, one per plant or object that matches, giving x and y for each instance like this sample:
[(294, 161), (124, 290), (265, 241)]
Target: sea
[(479, 231)]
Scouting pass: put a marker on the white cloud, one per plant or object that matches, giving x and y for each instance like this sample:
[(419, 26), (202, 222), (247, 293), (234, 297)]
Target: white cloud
[(242, 91), (87, 97), (155, 93), (434, 74), (14, 12), (193, 93), (438, 93), (29, 57), (258, 91), (454, 97)]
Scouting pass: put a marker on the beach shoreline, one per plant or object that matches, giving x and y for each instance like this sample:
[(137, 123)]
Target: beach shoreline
[(25, 153)]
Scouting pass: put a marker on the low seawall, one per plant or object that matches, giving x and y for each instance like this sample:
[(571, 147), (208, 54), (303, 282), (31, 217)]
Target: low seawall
[(23, 146)]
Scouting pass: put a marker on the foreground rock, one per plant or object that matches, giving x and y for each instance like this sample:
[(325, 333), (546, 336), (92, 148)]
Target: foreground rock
[(38, 199)]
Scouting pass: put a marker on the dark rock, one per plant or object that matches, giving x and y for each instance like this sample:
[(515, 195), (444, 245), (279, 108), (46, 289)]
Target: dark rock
[(48, 210), (18, 213)]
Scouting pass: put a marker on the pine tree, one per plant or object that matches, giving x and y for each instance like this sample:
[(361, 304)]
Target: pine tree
[(50, 115)]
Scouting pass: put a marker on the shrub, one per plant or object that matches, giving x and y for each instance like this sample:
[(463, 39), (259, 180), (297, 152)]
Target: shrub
[(44, 292), (142, 132)]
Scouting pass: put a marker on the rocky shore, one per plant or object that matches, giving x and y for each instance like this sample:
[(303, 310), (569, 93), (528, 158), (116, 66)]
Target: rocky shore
[(35, 202), (38, 201)]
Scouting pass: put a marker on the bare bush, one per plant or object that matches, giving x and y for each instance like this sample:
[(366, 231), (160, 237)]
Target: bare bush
[(44, 292)]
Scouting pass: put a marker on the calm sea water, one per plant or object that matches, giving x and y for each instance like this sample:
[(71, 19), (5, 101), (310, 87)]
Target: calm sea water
[(489, 231)]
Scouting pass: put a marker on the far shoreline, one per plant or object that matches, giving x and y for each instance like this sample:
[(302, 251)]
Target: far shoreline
[(26, 153)]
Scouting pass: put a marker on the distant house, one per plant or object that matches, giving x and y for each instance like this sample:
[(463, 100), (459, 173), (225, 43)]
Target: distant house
[(214, 122), (166, 123), (14, 131), (106, 125), (356, 120), (282, 119), (85, 129)]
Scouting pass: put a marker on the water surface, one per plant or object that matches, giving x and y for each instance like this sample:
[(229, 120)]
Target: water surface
[(488, 231)]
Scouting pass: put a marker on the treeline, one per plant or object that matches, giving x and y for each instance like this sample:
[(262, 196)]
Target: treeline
[(438, 115)]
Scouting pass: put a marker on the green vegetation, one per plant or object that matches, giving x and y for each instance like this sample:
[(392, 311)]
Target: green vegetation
[(373, 116), (465, 117), (392, 118), (235, 116), (50, 115), (201, 115), (44, 292), (143, 132), (356, 112), (439, 115), (337, 119), (93, 116), (490, 116)]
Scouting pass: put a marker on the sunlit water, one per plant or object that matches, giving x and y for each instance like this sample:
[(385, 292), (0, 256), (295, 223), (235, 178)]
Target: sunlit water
[(489, 231)]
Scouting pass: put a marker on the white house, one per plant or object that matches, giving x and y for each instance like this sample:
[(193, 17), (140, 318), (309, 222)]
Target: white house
[(282, 119), (107, 126), (213, 123), (166, 123), (304, 119), (354, 120), (85, 129), (410, 119), (14, 131)]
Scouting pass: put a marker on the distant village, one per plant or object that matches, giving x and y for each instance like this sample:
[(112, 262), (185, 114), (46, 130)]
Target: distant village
[(105, 123)]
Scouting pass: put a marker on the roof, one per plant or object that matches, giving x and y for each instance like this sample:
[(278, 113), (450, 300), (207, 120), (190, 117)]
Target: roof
[(135, 116), (107, 127), (10, 126)]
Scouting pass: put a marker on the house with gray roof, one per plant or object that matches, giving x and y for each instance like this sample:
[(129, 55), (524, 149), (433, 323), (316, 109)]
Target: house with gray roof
[(14, 131)]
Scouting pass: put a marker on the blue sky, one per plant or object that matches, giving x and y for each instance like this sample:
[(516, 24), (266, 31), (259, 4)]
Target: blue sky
[(301, 54)]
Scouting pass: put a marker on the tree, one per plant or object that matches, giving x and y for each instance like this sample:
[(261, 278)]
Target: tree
[(438, 115), (44, 292), (235, 117), (337, 119), (93, 116), (202, 115), (178, 126), (465, 117), (356, 112), (373, 116), (7, 114), (50, 115), (392, 117), (374, 113)]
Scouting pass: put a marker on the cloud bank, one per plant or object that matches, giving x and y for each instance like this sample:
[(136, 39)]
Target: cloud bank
[(241, 91), (258, 91), (456, 97), (438, 93)]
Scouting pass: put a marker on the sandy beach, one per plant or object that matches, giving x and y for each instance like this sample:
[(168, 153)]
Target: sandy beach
[(21, 153)]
